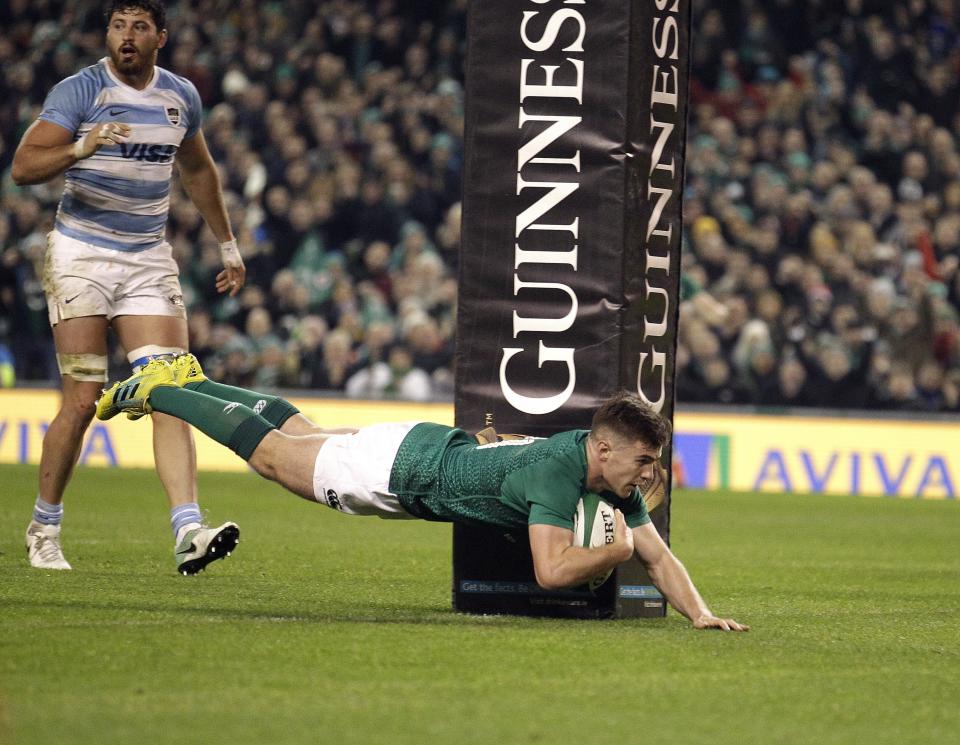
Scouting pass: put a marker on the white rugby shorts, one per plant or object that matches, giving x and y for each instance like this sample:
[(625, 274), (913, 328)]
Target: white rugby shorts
[(81, 279), (352, 472)]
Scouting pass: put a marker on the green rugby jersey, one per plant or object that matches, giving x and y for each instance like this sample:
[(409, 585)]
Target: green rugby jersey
[(442, 473)]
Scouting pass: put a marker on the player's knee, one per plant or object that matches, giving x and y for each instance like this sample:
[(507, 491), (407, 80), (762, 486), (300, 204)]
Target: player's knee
[(168, 423), (79, 407), (84, 377), (298, 425), (264, 465)]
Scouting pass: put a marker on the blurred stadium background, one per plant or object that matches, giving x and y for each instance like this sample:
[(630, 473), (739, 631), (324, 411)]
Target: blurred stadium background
[(822, 203)]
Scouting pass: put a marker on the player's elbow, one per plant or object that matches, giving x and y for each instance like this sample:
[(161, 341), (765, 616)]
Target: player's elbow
[(548, 577), (18, 173), (198, 174), (543, 577), (549, 583), (23, 171)]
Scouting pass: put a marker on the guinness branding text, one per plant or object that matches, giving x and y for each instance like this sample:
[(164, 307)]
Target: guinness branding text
[(561, 28), (664, 185)]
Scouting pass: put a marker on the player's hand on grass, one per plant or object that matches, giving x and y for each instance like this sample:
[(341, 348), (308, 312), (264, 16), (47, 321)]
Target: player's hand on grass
[(708, 621), (622, 536), (105, 134)]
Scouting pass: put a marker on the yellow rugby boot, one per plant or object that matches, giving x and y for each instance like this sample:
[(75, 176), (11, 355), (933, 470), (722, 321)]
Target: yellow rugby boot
[(131, 394), (186, 369)]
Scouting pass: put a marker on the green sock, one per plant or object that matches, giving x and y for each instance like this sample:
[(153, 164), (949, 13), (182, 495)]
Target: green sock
[(272, 408), (230, 423)]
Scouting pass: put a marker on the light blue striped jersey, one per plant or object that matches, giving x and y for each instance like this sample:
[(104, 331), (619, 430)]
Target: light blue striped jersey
[(119, 197)]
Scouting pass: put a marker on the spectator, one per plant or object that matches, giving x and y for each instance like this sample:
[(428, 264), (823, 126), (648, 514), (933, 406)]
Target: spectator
[(337, 363), (791, 389), (854, 239), (395, 378)]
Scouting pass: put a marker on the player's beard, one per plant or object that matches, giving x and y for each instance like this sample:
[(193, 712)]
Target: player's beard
[(132, 65)]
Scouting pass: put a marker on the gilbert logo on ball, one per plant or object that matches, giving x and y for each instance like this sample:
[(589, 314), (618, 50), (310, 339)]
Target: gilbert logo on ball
[(593, 526)]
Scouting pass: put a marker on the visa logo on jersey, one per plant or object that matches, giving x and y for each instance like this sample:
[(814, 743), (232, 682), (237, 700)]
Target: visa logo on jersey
[(148, 153)]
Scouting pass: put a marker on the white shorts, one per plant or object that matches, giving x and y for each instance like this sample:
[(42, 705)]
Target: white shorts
[(81, 279), (352, 472)]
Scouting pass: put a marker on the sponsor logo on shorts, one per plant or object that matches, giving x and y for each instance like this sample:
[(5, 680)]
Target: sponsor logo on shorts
[(230, 407), (259, 406), (176, 300), (333, 499)]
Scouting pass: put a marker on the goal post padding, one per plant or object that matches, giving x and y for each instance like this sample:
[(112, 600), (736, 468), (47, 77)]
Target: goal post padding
[(570, 250)]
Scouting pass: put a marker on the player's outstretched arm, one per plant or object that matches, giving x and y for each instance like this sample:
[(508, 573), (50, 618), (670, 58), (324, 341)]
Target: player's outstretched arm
[(671, 578), (557, 563)]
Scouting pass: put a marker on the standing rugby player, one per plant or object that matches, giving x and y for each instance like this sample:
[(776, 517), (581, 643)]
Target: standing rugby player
[(115, 129)]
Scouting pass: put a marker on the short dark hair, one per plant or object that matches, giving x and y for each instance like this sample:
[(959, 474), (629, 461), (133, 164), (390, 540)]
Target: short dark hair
[(629, 416), (154, 7)]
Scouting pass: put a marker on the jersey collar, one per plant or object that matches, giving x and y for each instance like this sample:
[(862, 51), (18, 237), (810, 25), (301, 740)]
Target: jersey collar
[(105, 61)]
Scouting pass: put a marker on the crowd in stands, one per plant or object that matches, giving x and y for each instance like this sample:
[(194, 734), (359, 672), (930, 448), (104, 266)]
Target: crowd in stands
[(822, 205), (822, 208)]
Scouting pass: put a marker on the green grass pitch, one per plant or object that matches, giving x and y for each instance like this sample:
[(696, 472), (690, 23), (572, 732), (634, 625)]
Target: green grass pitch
[(327, 629)]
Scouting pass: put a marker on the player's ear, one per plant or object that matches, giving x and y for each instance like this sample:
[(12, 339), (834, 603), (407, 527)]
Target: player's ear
[(162, 39), (604, 448)]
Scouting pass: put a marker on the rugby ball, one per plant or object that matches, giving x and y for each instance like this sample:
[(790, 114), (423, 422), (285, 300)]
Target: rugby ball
[(593, 527)]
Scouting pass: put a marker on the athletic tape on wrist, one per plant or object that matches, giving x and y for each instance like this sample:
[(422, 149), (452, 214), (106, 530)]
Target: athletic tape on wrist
[(78, 149), (230, 254)]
